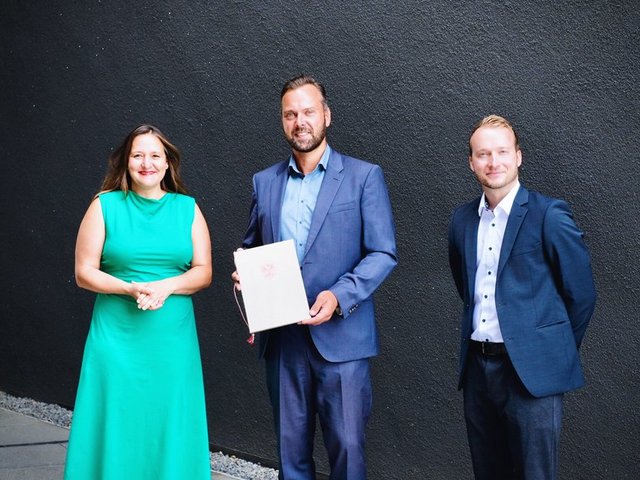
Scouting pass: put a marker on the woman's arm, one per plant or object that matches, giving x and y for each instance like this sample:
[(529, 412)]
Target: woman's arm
[(88, 252)]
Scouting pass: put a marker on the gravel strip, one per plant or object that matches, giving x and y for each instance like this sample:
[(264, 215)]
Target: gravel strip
[(242, 469), (51, 413), (61, 417)]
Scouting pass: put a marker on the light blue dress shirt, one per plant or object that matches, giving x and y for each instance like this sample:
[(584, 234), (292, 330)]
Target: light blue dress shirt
[(300, 197)]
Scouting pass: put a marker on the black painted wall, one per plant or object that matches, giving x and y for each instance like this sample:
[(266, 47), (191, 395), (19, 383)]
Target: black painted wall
[(406, 80)]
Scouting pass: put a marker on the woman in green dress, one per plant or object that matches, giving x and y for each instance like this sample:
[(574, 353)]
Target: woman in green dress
[(144, 248)]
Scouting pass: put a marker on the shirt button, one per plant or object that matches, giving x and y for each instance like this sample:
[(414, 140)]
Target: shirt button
[(490, 248), (493, 224), (485, 296), (484, 320), (489, 272)]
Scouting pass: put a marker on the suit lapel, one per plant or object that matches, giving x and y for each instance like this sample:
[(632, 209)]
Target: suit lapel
[(330, 184), (471, 247), (516, 217), (278, 185)]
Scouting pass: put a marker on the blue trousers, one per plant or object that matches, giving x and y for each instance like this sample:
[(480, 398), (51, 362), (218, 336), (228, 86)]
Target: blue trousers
[(512, 434), (301, 384)]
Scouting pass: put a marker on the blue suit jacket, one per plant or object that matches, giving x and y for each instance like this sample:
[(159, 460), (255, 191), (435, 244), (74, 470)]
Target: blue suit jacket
[(544, 296), (350, 249)]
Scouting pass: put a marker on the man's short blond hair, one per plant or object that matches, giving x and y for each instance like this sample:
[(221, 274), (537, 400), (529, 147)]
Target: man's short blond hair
[(493, 121)]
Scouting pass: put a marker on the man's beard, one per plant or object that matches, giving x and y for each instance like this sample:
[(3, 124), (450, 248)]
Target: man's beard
[(309, 145)]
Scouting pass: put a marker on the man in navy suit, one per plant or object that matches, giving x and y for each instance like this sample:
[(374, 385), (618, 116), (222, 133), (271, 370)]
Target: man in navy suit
[(336, 209), (524, 273)]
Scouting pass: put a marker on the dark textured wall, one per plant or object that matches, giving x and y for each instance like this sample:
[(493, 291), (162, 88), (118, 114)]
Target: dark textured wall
[(406, 80)]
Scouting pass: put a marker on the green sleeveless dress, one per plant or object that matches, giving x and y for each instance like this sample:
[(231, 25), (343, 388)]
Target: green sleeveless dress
[(140, 409)]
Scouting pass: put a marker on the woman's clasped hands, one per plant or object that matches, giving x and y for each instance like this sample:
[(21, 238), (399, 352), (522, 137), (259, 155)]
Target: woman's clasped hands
[(151, 295)]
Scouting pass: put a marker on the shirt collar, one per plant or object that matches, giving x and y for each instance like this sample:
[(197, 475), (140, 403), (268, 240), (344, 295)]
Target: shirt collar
[(505, 204), (324, 160)]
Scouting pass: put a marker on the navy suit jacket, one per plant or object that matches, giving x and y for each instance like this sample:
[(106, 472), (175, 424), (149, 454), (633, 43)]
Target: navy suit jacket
[(350, 250), (544, 296)]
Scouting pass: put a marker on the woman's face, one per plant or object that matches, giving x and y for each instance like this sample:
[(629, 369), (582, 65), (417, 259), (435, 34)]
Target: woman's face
[(147, 163)]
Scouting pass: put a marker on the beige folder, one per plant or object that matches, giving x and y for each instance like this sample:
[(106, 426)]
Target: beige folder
[(272, 289)]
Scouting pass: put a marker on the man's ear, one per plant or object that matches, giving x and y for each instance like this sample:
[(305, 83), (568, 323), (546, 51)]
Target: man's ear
[(327, 116)]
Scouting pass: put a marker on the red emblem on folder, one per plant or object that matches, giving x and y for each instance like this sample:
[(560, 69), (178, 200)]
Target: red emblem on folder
[(269, 270)]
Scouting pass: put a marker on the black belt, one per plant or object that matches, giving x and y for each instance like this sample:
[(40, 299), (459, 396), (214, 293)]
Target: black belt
[(488, 349)]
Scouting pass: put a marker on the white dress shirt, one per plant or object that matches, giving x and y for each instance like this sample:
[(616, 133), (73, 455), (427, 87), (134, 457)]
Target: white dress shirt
[(486, 325)]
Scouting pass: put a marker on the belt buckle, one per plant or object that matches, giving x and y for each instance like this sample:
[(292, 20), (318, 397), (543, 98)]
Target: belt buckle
[(482, 348)]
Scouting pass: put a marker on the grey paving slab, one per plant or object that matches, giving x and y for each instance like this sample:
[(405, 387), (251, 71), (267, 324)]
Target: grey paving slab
[(32, 473), (9, 418), (218, 476), (46, 455), (18, 429)]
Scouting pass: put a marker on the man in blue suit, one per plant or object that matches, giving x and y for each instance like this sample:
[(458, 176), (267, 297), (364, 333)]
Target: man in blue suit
[(337, 211), (524, 273)]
